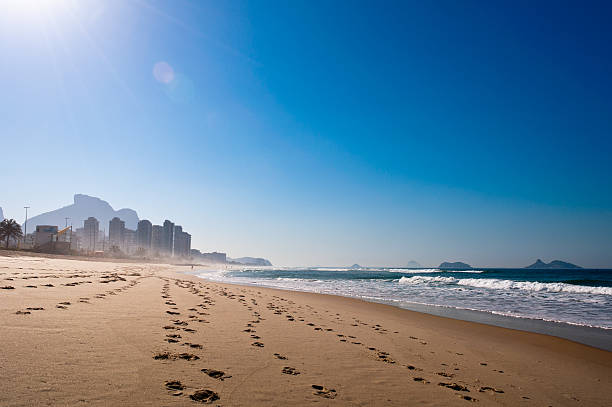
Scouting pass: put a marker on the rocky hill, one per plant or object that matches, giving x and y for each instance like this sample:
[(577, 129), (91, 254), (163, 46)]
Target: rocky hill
[(250, 261), (555, 264), (83, 207), (455, 265)]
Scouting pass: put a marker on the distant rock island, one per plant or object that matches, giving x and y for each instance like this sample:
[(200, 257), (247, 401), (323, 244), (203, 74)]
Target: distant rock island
[(250, 261), (83, 207), (555, 264), (355, 266), (413, 265), (455, 265)]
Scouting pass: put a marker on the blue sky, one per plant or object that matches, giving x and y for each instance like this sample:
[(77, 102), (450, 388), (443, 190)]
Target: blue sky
[(320, 132)]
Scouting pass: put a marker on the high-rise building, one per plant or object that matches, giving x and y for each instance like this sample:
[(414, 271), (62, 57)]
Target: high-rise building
[(116, 233), (182, 242), (157, 233), (143, 234), (168, 238), (129, 241), (91, 230)]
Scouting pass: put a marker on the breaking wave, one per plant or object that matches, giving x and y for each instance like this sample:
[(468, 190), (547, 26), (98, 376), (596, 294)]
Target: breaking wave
[(497, 284)]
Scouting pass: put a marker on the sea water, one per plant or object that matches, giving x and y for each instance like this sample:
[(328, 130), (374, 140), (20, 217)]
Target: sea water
[(581, 298)]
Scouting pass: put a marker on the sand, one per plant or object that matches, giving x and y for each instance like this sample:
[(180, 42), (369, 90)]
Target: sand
[(97, 333)]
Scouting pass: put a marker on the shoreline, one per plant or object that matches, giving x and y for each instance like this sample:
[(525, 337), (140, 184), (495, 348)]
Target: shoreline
[(112, 333), (596, 337)]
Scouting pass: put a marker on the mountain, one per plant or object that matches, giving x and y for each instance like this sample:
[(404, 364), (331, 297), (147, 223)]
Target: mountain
[(455, 265), (83, 207), (555, 264), (413, 265), (251, 261)]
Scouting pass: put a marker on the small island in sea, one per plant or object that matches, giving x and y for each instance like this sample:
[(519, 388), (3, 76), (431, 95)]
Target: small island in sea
[(555, 264), (454, 265), (251, 261)]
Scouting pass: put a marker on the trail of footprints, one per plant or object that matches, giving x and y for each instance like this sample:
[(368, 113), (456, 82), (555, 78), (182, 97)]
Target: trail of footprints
[(119, 275), (176, 387)]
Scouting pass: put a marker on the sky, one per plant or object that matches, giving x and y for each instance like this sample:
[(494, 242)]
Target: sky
[(320, 132)]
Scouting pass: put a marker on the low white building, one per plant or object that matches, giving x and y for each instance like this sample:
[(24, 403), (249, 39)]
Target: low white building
[(44, 234)]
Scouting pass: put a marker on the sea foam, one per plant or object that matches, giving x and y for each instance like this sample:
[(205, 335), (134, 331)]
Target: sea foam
[(497, 284)]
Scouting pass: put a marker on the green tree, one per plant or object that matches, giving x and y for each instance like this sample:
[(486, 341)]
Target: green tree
[(10, 229)]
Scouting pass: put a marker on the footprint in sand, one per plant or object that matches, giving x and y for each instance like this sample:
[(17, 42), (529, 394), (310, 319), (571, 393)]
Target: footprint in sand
[(290, 371), (279, 356), (216, 374), (35, 308), (204, 396), (421, 380), (174, 385), (384, 356), (454, 386), (174, 356), (23, 312), (490, 389), (258, 344), (324, 391), (193, 345)]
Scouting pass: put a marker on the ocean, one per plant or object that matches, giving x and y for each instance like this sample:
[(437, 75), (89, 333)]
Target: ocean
[(574, 304)]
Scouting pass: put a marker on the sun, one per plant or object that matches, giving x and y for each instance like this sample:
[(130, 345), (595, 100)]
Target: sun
[(29, 9)]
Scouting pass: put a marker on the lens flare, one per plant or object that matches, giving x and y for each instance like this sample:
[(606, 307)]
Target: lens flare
[(163, 72)]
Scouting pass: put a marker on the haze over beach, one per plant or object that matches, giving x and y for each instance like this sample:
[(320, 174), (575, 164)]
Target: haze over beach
[(287, 203)]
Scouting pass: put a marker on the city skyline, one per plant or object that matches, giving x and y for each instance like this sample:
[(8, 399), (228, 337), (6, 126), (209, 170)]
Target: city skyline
[(86, 218), (473, 132)]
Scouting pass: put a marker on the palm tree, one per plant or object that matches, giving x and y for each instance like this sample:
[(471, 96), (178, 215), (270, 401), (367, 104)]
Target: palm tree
[(10, 229)]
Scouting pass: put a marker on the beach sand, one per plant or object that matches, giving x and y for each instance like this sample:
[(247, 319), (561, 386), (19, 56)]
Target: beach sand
[(100, 333)]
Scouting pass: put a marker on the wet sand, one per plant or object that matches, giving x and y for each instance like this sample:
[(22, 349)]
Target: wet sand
[(107, 333)]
